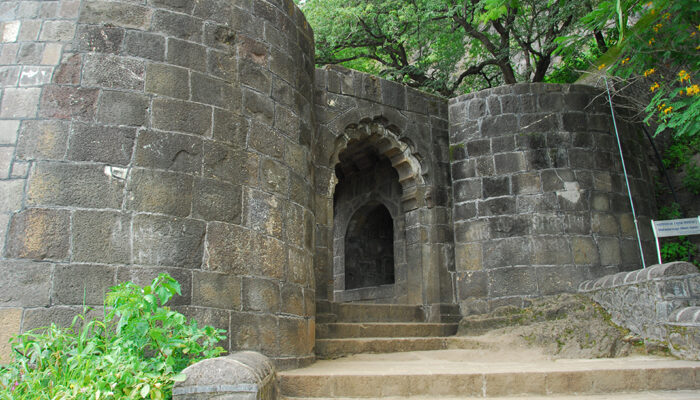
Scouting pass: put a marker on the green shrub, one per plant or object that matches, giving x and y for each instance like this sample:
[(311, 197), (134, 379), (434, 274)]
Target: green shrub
[(136, 351)]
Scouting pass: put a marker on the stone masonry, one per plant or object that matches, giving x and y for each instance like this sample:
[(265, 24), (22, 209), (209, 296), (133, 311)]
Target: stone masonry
[(196, 138)]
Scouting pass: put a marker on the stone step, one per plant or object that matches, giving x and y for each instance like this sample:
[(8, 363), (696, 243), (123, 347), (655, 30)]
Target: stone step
[(334, 348), (381, 329), (326, 318), (354, 312), (468, 373), (644, 395)]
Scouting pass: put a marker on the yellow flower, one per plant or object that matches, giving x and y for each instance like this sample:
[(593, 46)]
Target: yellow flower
[(691, 90), (654, 86), (649, 72), (667, 16), (651, 41), (625, 61), (657, 27), (661, 106), (601, 66), (668, 110), (683, 76)]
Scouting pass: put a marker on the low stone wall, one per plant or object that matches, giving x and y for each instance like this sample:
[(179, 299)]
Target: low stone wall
[(245, 375), (648, 301)]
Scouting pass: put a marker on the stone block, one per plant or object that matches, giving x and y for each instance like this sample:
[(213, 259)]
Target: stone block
[(229, 164), (259, 107), (216, 201), (11, 193), (264, 213), (215, 92), (293, 336), (181, 116), (186, 54), (144, 45), (82, 284), (100, 38), (485, 166), (229, 249), (547, 250), (609, 251), (168, 81), (25, 284), (177, 25), (506, 252), (65, 102), (62, 316), (109, 71), (20, 102), (6, 155), (144, 276), (159, 192), (585, 251), (497, 186), (255, 76), (393, 94), (468, 190), (60, 184), (292, 300), (558, 279), (35, 76), (231, 128), (101, 237), (182, 6), (468, 257), (122, 108), (274, 177), (211, 289), (496, 206), (261, 295), (30, 53), (10, 320), (299, 267), (120, 14), (471, 284), (254, 332), (168, 241), (8, 131), (508, 226), (604, 224), (171, 151), (111, 145), (223, 65), (43, 140), (512, 281), (499, 125)]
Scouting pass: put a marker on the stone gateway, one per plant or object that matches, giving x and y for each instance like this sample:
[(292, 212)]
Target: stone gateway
[(197, 138)]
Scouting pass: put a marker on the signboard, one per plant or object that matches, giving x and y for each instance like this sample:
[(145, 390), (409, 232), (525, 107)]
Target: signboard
[(674, 227), (677, 227)]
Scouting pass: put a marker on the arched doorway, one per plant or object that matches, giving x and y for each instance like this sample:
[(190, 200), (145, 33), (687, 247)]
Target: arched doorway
[(369, 248)]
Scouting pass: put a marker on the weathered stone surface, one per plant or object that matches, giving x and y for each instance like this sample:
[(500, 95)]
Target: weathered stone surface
[(25, 284), (229, 164), (43, 140), (214, 200), (82, 284), (101, 236), (170, 151), (144, 45), (122, 108), (19, 102), (100, 39), (109, 71), (112, 145), (261, 295), (186, 54), (160, 191), (39, 234), (168, 241), (65, 102), (11, 193), (216, 290), (10, 320), (120, 14), (62, 184), (264, 213), (180, 116)]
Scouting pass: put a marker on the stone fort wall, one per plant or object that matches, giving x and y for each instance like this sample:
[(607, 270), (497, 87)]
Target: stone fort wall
[(196, 138)]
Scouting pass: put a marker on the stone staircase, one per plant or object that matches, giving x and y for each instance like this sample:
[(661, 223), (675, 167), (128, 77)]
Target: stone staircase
[(389, 351)]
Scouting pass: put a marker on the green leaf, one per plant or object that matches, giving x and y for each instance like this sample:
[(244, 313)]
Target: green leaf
[(145, 389)]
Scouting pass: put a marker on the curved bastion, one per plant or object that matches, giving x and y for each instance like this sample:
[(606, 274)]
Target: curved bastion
[(141, 137)]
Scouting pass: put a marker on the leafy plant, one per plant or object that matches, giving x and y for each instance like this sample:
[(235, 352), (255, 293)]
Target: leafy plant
[(136, 351), (680, 249)]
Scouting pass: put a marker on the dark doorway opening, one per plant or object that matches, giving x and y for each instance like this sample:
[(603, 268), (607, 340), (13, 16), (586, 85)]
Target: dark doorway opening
[(369, 248)]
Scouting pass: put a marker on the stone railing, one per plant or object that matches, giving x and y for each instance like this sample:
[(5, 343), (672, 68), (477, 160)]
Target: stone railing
[(660, 302), (245, 375)]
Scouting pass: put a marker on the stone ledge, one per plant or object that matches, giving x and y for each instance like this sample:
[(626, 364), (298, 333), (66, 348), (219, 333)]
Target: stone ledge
[(655, 272), (245, 375)]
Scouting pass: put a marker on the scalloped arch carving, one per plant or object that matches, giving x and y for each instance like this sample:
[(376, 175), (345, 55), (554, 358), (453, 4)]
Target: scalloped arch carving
[(383, 138)]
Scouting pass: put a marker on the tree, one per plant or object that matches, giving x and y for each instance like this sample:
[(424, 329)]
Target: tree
[(444, 46)]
